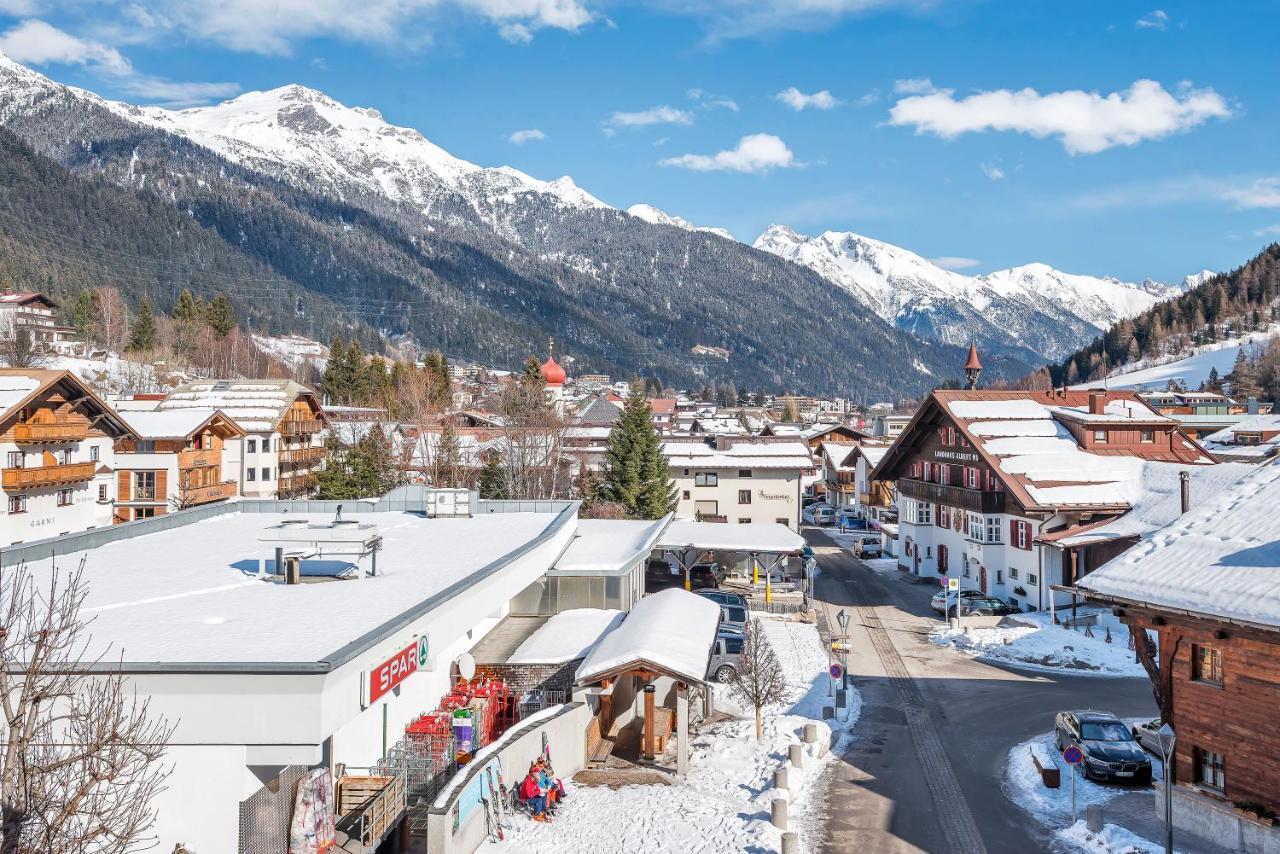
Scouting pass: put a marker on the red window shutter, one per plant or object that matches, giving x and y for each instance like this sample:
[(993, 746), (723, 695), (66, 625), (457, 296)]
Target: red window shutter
[(1013, 532)]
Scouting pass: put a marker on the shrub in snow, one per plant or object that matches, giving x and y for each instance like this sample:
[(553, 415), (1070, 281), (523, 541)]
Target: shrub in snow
[(760, 681)]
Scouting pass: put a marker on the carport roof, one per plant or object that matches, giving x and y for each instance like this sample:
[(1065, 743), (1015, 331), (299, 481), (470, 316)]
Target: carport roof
[(757, 537)]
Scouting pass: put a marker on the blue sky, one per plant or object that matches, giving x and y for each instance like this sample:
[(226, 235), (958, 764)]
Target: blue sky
[(988, 134)]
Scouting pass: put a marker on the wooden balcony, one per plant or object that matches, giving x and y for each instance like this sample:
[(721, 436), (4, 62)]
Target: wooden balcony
[(30, 478), (54, 431), (300, 428), (302, 456), (191, 458), (298, 484), (974, 500), (212, 492), (846, 477)]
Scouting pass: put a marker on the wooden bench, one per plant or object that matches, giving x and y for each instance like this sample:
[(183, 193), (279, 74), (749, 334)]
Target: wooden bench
[(599, 747), (664, 721), (1047, 764)]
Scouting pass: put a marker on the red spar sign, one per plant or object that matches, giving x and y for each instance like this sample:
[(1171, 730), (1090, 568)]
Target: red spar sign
[(393, 671)]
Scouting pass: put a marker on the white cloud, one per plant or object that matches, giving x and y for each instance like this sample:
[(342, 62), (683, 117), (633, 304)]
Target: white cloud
[(1239, 192), (1269, 231), (662, 115), (797, 100), (17, 8), (749, 18), (1157, 19), (757, 152), (868, 99), (914, 86), (38, 43), (955, 262), (1086, 122), (707, 100), (992, 171), (276, 27), (520, 137)]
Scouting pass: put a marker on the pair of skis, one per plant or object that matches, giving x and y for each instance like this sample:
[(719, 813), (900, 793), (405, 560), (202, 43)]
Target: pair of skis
[(494, 809)]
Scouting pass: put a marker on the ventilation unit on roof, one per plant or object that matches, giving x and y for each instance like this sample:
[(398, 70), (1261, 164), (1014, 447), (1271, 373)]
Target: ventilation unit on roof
[(221, 386)]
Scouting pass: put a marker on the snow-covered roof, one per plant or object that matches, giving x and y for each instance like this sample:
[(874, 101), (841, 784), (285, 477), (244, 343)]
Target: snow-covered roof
[(566, 636), (1221, 559), (14, 388), (672, 631), (609, 545), (759, 537), (837, 452), (190, 593), (873, 453), (256, 405), (172, 424), (1156, 499), (1225, 442), (755, 455)]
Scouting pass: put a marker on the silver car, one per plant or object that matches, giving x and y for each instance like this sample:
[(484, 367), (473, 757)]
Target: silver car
[(725, 657)]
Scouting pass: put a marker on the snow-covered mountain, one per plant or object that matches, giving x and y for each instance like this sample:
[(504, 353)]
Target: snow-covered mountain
[(1197, 279), (1031, 307), (650, 214)]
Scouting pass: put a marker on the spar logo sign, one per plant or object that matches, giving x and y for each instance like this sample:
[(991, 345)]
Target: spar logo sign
[(395, 669), (424, 658)]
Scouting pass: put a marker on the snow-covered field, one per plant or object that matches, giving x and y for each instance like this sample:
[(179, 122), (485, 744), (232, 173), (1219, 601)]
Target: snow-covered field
[(723, 804), (1052, 807), (1191, 370), (1033, 642)]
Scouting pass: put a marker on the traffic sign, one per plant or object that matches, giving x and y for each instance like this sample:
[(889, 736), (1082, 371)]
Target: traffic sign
[(1073, 755), (836, 671), (942, 580), (839, 646), (953, 584)]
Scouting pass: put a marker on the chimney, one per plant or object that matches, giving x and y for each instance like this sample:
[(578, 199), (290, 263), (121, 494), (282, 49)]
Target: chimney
[(1185, 483), (292, 570), (1097, 402)]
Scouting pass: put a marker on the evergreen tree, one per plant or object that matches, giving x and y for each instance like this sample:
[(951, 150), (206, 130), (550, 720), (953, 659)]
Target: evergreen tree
[(84, 315), (532, 376), (789, 413), (188, 309), (359, 389), (447, 464), (364, 469), (493, 480), (1244, 377), (220, 317), (142, 332), (1214, 383), (336, 380), (636, 473)]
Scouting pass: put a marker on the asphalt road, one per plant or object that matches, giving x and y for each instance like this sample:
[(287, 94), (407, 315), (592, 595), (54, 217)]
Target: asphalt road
[(925, 771)]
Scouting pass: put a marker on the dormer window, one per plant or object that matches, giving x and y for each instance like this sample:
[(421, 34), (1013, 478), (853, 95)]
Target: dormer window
[(1100, 437), (1148, 436)]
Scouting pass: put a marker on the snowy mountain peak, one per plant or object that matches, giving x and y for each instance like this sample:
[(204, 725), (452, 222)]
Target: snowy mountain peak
[(1197, 279), (1032, 307), (653, 215)]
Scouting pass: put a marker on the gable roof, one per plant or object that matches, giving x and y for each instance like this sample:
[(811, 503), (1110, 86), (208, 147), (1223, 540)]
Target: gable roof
[(1221, 559), (600, 411), (1022, 437), (21, 386), (180, 423), (256, 405)]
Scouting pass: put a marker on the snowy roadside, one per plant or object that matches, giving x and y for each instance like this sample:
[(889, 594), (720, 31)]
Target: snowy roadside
[(1052, 807), (1032, 642), (723, 804)]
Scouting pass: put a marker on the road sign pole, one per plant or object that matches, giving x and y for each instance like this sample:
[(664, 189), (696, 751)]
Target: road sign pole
[(1073, 794)]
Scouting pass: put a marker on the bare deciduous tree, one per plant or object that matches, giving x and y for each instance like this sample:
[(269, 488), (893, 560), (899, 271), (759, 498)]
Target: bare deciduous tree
[(81, 759), (759, 680), (20, 350), (533, 449), (112, 324)]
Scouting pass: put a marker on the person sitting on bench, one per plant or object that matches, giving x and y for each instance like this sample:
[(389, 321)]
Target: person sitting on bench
[(532, 794)]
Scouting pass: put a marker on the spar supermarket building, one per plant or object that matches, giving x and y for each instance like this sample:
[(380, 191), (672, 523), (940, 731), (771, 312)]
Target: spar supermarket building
[(262, 678)]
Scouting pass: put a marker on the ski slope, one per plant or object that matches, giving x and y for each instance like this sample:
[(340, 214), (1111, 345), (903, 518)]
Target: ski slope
[(1191, 370)]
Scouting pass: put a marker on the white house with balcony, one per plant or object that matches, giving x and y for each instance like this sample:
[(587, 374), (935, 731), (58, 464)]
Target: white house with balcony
[(739, 480)]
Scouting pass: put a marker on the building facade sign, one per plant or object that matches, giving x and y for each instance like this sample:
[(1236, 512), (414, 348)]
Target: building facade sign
[(393, 671), (956, 456)]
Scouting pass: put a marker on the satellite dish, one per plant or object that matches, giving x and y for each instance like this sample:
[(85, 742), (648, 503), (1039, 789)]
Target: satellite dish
[(466, 666)]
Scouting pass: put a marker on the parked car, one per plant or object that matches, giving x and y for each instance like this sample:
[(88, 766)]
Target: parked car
[(939, 602), (986, 606), (715, 569), (658, 569), (1110, 752), (852, 523), (723, 597), (823, 514), (734, 617), (726, 655), (1148, 735), (867, 546)]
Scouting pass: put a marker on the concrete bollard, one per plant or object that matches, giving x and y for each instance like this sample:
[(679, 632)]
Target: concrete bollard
[(796, 754), (828, 712), (841, 698), (780, 777), (1093, 818), (791, 843), (810, 733), (779, 813)]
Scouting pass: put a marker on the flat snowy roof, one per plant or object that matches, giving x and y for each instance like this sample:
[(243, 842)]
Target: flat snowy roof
[(609, 545), (672, 631), (760, 537), (568, 635), (190, 594)]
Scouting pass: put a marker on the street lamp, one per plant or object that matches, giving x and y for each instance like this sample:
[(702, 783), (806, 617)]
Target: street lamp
[(1167, 739)]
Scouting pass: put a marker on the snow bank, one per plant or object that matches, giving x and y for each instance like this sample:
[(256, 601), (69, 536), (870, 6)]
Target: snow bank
[(568, 635), (673, 629), (1031, 641), (1113, 839)]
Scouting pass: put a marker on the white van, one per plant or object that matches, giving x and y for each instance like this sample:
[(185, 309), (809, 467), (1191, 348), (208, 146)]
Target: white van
[(824, 515)]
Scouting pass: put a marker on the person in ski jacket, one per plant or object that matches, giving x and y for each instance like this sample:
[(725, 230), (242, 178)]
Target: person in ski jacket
[(553, 783), (547, 784), (532, 794)]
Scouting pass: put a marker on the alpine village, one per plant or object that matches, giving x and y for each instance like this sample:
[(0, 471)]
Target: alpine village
[(361, 499)]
